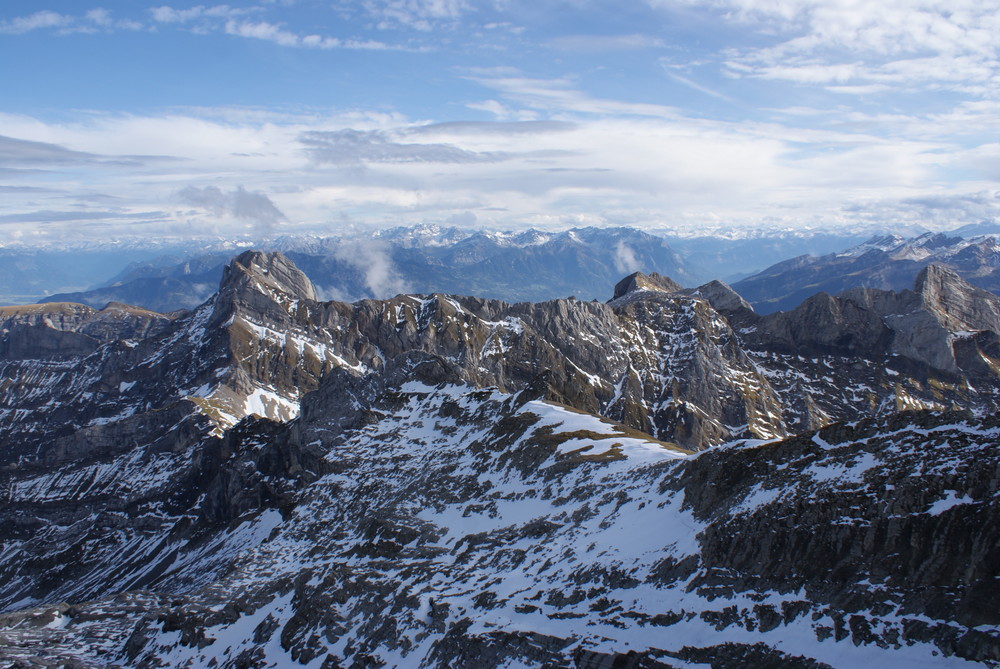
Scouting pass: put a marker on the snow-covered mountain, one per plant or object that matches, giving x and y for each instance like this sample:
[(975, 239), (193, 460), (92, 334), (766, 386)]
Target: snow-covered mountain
[(430, 480)]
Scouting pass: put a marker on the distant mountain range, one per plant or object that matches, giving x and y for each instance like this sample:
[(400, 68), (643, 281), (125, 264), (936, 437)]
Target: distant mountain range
[(527, 266), (887, 262), (169, 274), (513, 266)]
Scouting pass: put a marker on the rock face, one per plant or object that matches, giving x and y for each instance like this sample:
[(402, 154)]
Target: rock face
[(59, 330), (955, 304), (923, 348), (694, 367), (722, 298), (639, 281), (448, 481)]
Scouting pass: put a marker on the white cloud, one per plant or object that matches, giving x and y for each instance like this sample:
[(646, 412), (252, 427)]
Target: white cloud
[(371, 258), (953, 44), (375, 146), (241, 204), (383, 169), (272, 32), (625, 260), (502, 111), (561, 95), (167, 14), (36, 21), (92, 21), (701, 88), (263, 30), (418, 14)]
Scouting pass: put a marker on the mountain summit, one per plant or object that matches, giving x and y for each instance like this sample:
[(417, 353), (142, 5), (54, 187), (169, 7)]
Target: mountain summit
[(639, 281), (957, 304), (268, 272)]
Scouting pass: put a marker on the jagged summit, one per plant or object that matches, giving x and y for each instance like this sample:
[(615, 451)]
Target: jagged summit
[(273, 270), (639, 281)]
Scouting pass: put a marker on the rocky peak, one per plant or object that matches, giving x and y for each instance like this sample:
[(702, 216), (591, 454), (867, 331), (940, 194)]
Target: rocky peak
[(722, 297), (956, 304), (884, 242), (639, 281), (269, 271), (931, 240)]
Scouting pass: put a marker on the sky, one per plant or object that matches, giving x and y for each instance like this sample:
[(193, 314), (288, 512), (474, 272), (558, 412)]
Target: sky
[(131, 120)]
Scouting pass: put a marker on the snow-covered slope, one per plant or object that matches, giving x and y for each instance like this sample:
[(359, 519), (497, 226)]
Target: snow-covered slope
[(456, 526)]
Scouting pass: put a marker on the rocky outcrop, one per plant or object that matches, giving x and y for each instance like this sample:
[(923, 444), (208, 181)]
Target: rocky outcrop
[(639, 281), (115, 321), (867, 351), (723, 298), (955, 303), (268, 274)]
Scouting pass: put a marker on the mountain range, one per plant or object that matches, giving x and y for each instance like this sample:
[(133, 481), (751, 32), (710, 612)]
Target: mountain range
[(512, 266), (888, 262), (525, 266), (664, 479)]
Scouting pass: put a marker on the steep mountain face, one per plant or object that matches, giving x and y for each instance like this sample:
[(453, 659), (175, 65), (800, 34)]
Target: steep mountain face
[(868, 351), (531, 266), (886, 262), (73, 391), (64, 330), (455, 481)]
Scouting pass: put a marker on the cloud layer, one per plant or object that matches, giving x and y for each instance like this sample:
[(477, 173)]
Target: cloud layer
[(674, 113)]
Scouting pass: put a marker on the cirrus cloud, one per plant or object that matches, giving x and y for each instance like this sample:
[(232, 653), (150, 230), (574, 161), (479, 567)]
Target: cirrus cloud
[(874, 46)]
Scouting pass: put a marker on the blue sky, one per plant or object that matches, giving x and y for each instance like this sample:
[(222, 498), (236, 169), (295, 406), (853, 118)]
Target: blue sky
[(252, 119)]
